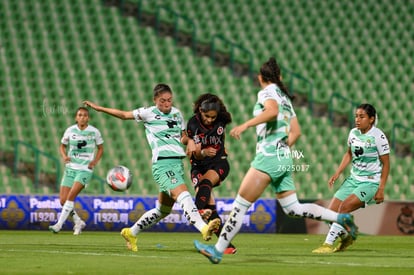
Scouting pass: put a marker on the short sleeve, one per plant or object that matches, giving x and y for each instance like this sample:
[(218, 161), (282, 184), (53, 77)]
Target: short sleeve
[(349, 138), (65, 138), (140, 114), (383, 146), (99, 140)]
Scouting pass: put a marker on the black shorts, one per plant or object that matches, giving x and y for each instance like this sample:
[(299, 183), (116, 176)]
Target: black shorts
[(221, 167)]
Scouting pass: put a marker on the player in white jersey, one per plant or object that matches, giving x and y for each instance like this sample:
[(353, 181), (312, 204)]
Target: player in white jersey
[(368, 150), (164, 127), (277, 130), (78, 147)]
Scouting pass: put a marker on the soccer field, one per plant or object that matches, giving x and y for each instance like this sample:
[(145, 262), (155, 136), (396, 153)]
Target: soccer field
[(41, 252)]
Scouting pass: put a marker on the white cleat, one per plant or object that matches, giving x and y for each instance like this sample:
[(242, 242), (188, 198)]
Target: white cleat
[(77, 228)]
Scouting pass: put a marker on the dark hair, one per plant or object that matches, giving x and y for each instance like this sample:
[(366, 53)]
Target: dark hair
[(270, 72), (370, 110), (207, 102), (160, 89), (81, 108)]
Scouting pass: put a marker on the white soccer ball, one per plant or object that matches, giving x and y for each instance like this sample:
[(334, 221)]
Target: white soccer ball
[(119, 178)]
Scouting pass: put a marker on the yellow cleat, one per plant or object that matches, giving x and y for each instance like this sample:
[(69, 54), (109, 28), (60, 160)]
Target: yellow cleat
[(131, 240), (343, 244), (210, 228), (324, 249)]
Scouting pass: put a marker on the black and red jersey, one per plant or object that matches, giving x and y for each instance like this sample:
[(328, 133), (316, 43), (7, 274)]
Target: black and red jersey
[(208, 136)]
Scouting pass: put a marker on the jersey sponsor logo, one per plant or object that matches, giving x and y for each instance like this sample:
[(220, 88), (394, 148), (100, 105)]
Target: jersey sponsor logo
[(267, 94), (196, 139), (220, 130), (171, 123), (358, 151), (80, 156), (81, 144)]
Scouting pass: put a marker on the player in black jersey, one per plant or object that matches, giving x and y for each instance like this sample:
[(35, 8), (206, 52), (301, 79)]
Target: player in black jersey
[(209, 165)]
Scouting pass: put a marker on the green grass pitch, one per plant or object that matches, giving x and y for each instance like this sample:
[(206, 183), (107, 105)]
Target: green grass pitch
[(42, 252)]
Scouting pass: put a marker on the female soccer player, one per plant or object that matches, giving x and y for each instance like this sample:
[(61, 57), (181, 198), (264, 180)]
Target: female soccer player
[(209, 165), (368, 150), (80, 159), (277, 129), (164, 126)]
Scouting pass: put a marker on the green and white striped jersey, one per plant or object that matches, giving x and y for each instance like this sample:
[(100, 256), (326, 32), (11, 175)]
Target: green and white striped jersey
[(272, 134), (163, 131), (366, 150), (81, 145)]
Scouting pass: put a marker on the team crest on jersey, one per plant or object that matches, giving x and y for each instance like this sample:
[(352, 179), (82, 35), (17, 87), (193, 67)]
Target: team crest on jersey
[(368, 143), (220, 130)]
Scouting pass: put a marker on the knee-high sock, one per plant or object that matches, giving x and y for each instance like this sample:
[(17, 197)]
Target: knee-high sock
[(292, 207), (203, 193), (215, 215), (233, 224), (335, 231), (66, 210), (150, 218), (190, 210), (75, 216)]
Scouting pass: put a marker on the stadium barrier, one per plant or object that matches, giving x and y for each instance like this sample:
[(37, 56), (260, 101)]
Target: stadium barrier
[(388, 218), (112, 213)]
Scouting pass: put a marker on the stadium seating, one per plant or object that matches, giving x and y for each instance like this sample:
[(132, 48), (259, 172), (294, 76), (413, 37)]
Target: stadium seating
[(56, 54)]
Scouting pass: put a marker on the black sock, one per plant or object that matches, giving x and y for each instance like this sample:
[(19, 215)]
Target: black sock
[(203, 194)]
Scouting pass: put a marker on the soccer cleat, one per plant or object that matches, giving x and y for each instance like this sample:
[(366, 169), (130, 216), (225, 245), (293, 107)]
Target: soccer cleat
[(131, 240), (324, 249), (209, 251), (210, 228), (230, 250), (343, 244), (77, 228), (347, 221), (205, 214), (54, 228)]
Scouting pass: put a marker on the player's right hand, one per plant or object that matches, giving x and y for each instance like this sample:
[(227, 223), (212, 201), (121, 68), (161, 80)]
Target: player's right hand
[(91, 104)]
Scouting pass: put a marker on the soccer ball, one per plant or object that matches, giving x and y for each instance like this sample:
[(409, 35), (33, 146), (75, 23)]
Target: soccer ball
[(119, 178)]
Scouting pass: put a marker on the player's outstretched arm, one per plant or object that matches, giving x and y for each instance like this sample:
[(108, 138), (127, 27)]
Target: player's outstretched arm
[(110, 111)]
